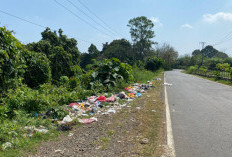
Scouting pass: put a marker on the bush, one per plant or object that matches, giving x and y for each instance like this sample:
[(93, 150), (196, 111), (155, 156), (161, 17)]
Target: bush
[(22, 98), (38, 70), (154, 64), (11, 61), (192, 69), (108, 73), (203, 70)]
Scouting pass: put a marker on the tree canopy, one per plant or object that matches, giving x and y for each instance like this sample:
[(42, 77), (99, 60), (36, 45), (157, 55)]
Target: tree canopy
[(141, 30)]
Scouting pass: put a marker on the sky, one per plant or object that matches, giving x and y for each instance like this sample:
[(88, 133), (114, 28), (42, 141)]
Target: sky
[(180, 23)]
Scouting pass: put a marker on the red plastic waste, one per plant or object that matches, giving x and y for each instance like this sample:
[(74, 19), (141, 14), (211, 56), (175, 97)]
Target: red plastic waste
[(126, 89), (73, 104), (110, 99), (101, 98)]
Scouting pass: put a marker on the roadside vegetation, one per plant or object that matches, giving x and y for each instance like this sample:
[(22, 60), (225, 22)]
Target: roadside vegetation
[(38, 79), (208, 63)]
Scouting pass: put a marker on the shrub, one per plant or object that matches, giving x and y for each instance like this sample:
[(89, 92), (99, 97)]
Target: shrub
[(38, 70), (154, 64), (192, 69), (108, 72), (11, 61), (22, 98)]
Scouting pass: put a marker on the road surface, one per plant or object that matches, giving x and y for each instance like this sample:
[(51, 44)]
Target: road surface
[(201, 114)]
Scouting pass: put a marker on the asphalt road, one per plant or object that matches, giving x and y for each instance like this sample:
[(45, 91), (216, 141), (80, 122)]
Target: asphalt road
[(201, 114)]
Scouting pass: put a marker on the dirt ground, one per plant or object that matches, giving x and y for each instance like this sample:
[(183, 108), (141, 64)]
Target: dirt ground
[(136, 130)]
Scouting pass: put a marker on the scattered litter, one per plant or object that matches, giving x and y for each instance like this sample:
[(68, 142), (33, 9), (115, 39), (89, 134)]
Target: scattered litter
[(84, 114), (144, 141), (138, 108), (111, 111), (99, 147), (153, 110), (44, 131), (158, 79), (6, 145), (58, 151), (167, 84), (110, 99), (101, 98), (139, 94), (87, 121), (70, 134), (66, 119)]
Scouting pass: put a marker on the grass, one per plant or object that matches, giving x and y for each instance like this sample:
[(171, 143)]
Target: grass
[(30, 144), (143, 75), (226, 82)]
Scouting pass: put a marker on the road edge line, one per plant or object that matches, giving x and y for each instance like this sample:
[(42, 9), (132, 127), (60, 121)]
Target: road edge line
[(170, 140)]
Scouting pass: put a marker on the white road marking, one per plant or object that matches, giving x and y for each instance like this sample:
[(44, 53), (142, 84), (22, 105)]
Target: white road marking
[(170, 140)]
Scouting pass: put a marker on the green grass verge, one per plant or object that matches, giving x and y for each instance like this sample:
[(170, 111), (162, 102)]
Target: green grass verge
[(141, 75), (226, 82), (30, 145)]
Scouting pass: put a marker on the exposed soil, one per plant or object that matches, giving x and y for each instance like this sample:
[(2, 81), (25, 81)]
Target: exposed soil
[(135, 130)]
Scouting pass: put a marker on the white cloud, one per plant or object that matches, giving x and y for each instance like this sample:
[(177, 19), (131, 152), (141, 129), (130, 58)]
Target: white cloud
[(156, 21), (187, 26), (212, 18)]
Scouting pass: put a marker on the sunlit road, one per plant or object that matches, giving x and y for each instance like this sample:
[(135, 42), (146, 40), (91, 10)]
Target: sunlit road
[(201, 114)]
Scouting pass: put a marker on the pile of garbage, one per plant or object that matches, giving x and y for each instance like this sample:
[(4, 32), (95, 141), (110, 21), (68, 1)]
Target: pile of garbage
[(87, 111), (104, 104)]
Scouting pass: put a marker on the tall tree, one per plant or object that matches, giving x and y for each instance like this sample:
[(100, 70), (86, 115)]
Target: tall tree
[(168, 54), (196, 52), (51, 39), (93, 50), (120, 49), (141, 34)]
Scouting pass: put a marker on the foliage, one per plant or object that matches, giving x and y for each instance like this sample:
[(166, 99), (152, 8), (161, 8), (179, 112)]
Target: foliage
[(192, 69), (12, 64), (196, 52), (141, 34), (168, 54), (210, 52), (22, 98), (61, 63), (93, 50), (142, 75), (120, 49), (109, 71), (38, 70), (154, 64), (212, 62), (203, 69), (223, 67)]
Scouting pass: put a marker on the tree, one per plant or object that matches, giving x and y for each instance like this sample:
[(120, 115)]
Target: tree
[(141, 34), (211, 52), (93, 50), (168, 54), (121, 49), (61, 63), (196, 52), (12, 64), (38, 70), (154, 63), (50, 39)]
